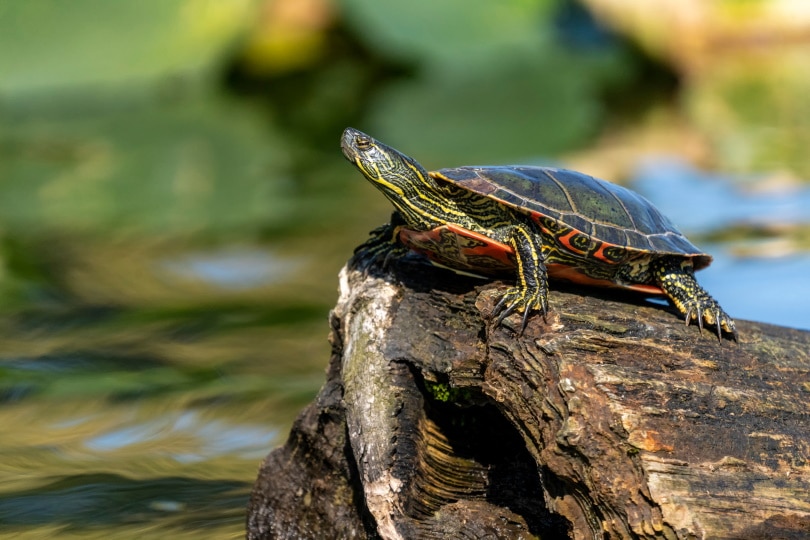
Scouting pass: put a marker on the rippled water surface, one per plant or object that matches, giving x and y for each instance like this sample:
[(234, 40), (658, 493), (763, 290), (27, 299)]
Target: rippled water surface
[(170, 237)]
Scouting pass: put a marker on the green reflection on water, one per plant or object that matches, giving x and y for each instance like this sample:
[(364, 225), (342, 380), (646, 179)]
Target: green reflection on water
[(157, 338), (205, 162), (51, 47)]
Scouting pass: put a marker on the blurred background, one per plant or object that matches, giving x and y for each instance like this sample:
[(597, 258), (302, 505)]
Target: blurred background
[(175, 208)]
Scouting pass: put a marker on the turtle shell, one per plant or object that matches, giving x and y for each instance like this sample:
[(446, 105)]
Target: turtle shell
[(605, 212)]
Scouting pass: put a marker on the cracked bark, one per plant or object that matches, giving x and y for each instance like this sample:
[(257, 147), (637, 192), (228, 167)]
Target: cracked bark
[(610, 420)]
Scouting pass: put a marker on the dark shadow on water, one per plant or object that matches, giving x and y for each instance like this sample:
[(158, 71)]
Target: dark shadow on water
[(138, 376), (185, 322), (107, 499)]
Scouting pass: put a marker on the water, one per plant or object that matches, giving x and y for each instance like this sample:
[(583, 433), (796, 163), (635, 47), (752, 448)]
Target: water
[(161, 325), (169, 252)]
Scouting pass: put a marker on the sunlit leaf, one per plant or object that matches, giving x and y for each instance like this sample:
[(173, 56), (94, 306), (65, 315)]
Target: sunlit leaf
[(449, 31), (519, 109)]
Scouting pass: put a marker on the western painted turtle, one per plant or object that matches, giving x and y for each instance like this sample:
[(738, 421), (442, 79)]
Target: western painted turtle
[(536, 222)]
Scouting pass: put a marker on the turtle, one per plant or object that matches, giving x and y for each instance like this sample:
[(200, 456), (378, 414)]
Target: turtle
[(536, 223)]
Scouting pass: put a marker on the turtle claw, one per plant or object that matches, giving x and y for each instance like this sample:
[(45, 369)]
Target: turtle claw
[(718, 326), (696, 313), (505, 307), (709, 311), (688, 318), (499, 306), (526, 319), (525, 301)]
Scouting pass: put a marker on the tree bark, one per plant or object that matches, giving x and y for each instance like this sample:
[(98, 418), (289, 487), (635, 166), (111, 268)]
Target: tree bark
[(609, 420)]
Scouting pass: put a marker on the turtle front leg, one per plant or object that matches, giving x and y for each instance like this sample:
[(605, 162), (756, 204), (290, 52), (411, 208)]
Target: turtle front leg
[(382, 245), (676, 278), (531, 291)]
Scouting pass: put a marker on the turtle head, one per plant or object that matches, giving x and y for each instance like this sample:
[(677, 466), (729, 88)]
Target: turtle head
[(394, 173)]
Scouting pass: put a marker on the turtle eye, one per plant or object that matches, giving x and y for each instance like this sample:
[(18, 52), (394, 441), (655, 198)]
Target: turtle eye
[(362, 142)]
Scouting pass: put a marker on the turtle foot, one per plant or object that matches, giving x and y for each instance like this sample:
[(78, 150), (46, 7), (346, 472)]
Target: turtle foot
[(380, 249), (677, 279), (521, 300)]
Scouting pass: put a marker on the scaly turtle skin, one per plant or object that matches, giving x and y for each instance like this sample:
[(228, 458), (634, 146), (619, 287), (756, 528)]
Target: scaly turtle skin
[(536, 222)]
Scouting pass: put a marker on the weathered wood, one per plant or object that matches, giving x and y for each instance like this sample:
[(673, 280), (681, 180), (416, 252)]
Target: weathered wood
[(609, 420)]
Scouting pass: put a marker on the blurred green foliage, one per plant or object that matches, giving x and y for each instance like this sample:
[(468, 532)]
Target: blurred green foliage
[(463, 34), (752, 106), (514, 110), (491, 82), (52, 48)]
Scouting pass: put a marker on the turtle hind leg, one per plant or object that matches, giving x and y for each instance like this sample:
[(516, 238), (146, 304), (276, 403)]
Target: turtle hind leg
[(676, 278)]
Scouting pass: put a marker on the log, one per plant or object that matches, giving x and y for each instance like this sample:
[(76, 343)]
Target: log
[(609, 420)]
